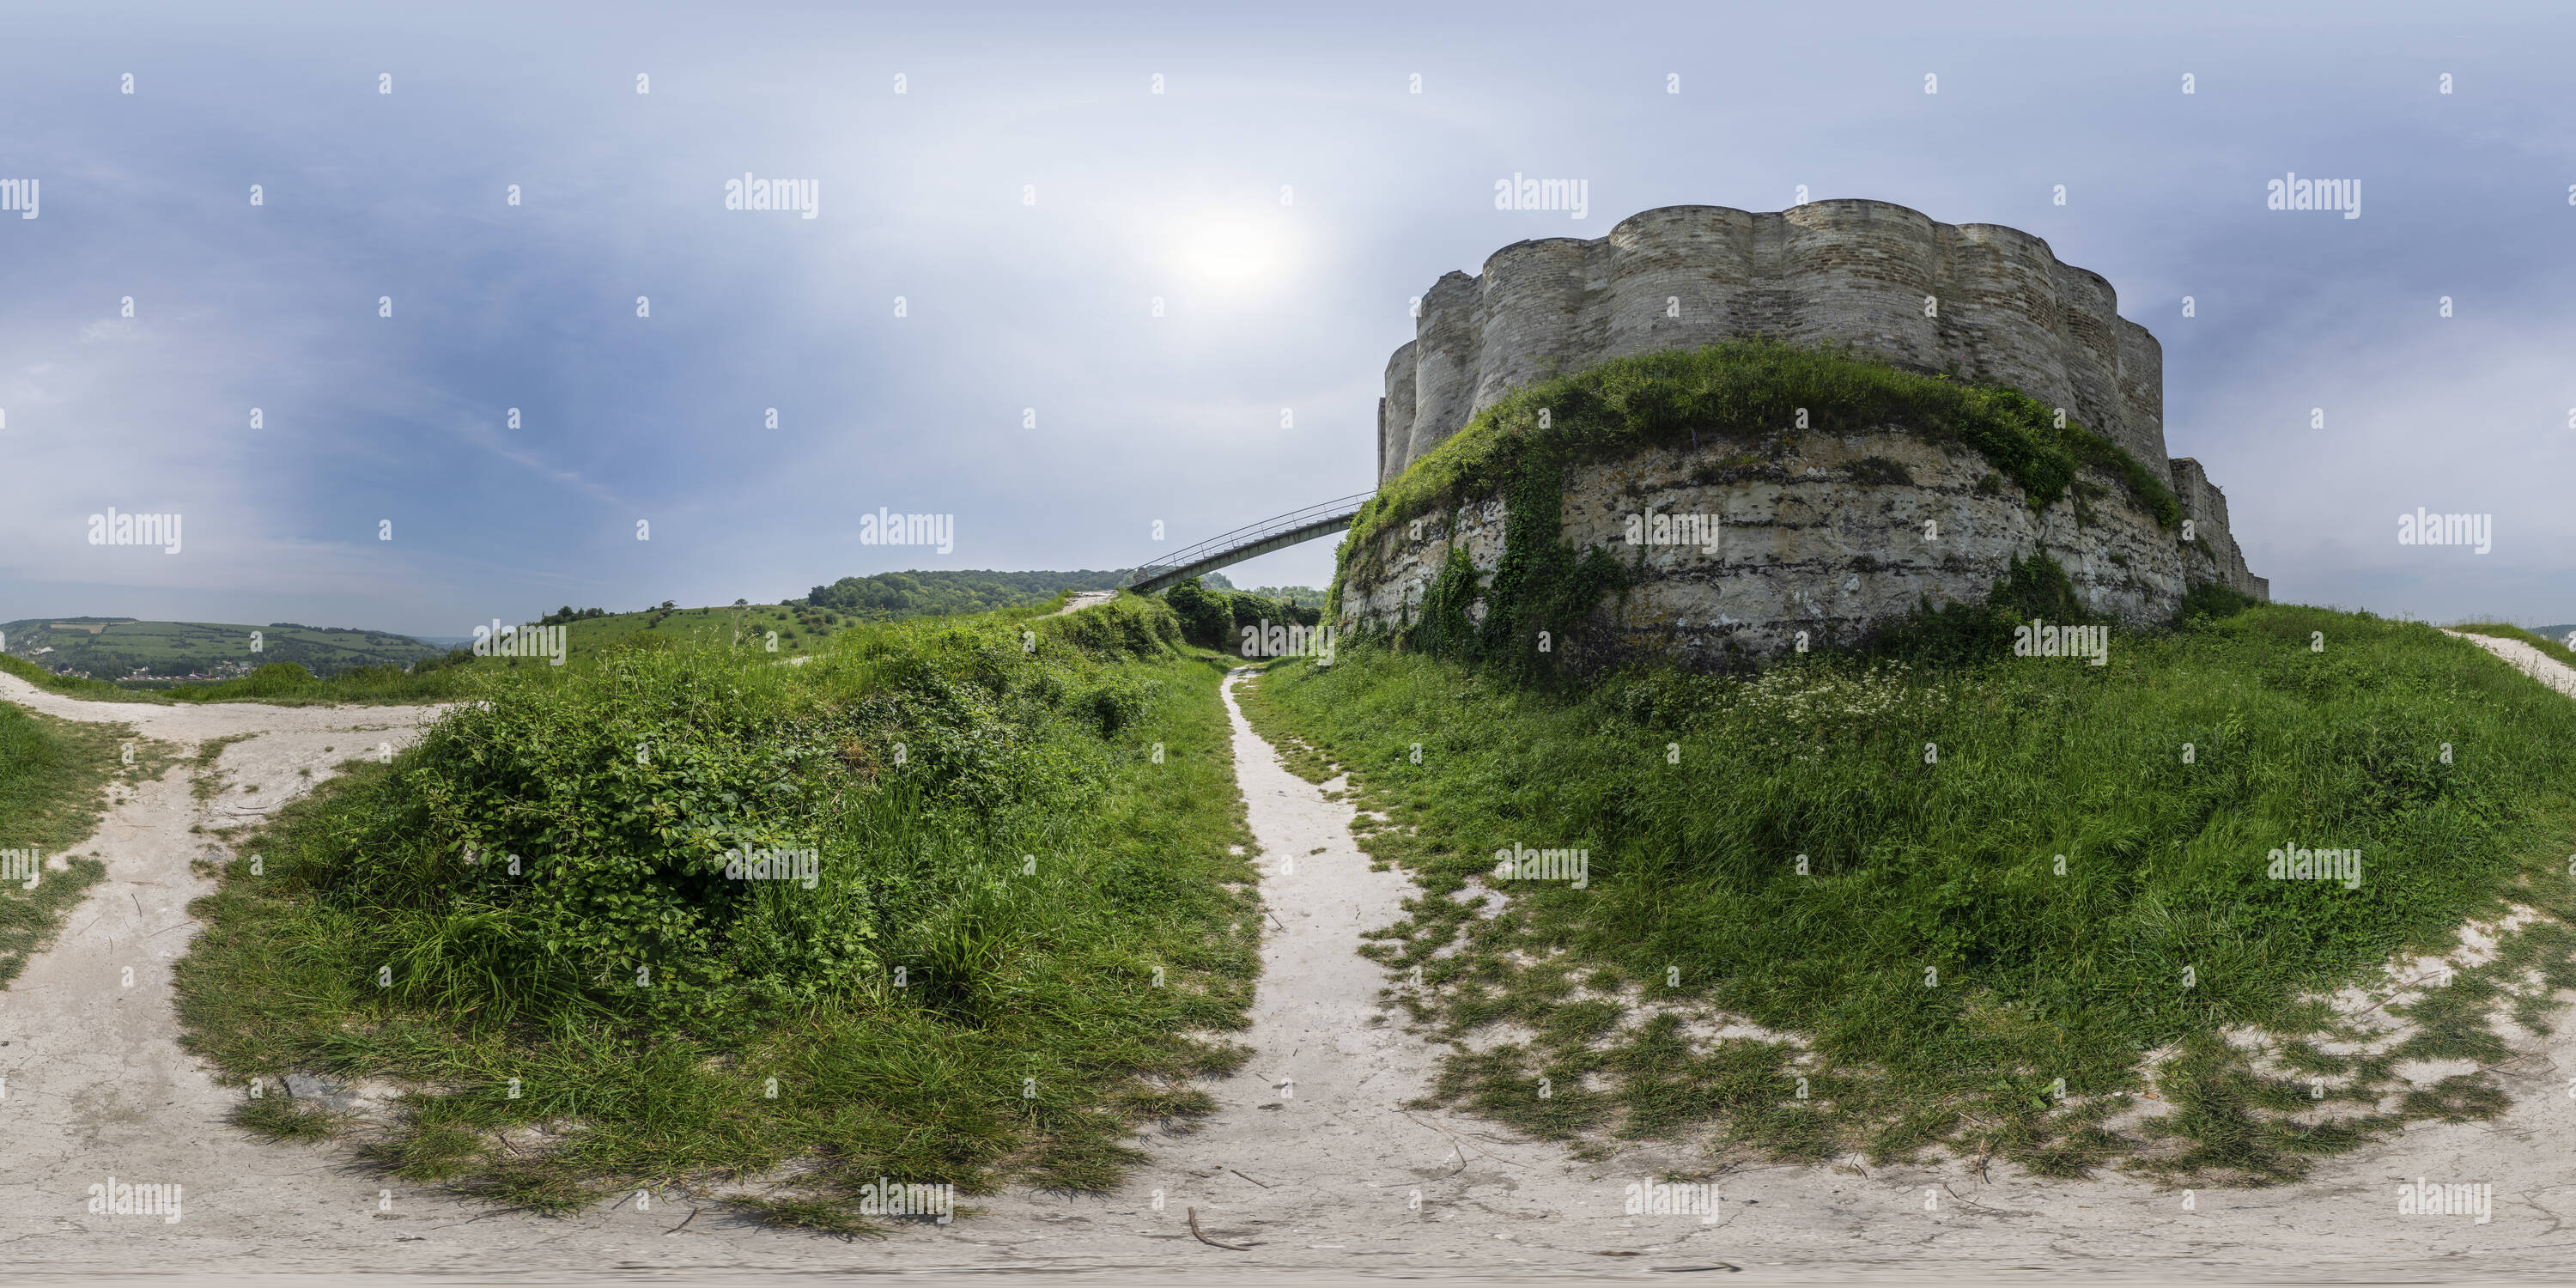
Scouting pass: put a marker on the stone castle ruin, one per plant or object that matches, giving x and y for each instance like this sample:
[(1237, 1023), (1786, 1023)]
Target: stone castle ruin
[(1831, 538)]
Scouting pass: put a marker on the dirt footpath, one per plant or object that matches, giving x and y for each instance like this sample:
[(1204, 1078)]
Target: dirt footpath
[(1311, 1167)]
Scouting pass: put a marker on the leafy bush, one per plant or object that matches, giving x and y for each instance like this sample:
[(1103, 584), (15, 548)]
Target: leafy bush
[(539, 890), (1206, 619), (2213, 600)]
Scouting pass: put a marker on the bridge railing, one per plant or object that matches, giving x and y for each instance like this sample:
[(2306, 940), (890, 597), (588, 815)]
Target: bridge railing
[(1250, 534)]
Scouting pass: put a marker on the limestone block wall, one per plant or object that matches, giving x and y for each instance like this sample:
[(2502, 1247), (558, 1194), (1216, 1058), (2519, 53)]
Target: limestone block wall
[(2005, 309), (2206, 507)]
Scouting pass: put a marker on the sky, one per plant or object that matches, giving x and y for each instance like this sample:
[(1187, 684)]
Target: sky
[(461, 415)]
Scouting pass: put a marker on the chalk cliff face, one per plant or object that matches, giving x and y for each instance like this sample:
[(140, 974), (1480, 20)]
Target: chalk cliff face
[(1829, 540), (1845, 532)]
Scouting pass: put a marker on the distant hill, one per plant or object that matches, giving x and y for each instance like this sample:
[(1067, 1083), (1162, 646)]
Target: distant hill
[(2558, 633), (887, 596), (108, 648)]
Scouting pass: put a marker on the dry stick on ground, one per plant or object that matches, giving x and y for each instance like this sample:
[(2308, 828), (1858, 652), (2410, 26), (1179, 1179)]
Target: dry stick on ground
[(684, 1224), (1194, 1229), (1975, 1206), (1263, 1184), (1458, 1145)]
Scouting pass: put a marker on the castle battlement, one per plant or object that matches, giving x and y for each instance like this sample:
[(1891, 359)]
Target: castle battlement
[(2002, 308)]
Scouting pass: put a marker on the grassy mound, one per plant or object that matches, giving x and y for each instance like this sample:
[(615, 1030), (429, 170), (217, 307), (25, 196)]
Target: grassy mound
[(540, 918), (1862, 856)]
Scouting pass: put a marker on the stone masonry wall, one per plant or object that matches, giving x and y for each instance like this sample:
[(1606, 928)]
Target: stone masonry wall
[(1843, 271), (2206, 507)]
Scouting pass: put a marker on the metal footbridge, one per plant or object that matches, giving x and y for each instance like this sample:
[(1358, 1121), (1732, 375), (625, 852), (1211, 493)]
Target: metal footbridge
[(1275, 533)]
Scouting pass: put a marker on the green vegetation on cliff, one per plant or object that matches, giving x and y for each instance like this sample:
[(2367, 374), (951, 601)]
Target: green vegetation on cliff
[(1863, 857), (1022, 903)]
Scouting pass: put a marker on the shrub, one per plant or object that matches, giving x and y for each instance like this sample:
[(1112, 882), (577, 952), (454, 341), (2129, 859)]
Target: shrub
[(1206, 619)]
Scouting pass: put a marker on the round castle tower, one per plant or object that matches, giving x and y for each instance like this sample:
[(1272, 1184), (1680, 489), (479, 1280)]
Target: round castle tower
[(1980, 301)]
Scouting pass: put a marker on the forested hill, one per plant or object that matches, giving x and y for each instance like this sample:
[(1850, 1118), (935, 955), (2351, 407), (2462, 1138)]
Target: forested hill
[(890, 595)]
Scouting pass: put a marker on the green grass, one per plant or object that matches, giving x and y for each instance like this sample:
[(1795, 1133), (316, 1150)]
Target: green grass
[(1698, 797), (1748, 394), (53, 775), (2503, 631), (993, 821)]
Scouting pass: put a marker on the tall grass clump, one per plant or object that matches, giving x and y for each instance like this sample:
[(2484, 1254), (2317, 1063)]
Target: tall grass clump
[(1018, 918), (1945, 883)]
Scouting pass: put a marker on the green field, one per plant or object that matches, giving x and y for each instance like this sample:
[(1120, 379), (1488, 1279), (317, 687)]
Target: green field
[(107, 648)]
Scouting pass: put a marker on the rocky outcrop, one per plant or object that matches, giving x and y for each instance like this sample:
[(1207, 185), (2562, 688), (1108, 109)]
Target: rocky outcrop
[(1843, 533)]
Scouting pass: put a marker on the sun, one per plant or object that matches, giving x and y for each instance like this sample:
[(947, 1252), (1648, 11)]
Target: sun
[(1231, 253)]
